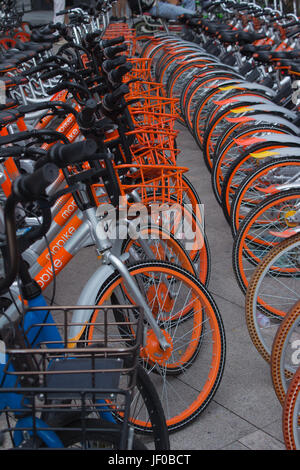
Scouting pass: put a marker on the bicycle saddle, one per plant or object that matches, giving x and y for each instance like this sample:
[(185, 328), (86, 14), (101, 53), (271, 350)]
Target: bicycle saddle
[(263, 56), (295, 54), (244, 37), (217, 28), (18, 58), (41, 38), (227, 36), (9, 116), (11, 82), (33, 46), (8, 104), (6, 67), (249, 49)]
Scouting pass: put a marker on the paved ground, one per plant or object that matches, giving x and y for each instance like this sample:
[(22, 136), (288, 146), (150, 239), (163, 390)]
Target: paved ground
[(39, 17), (245, 413)]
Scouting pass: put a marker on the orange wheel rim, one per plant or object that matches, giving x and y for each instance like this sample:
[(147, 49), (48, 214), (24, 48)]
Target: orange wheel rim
[(216, 347)]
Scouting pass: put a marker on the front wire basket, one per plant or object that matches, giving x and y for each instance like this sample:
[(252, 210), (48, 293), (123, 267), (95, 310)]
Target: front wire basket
[(162, 184), (64, 386)]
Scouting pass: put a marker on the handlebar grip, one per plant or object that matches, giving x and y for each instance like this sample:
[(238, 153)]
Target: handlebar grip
[(36, 69), (62, 12), (109, 65), (115, 76), (111, 42), (110, 52), (91, 36), (11, 151), (111, 99), (50, 74), (64, 155), (87, 116), (32, 187)]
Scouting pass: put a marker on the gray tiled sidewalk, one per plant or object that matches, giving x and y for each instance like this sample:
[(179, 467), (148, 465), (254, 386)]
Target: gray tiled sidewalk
[(39, 17), (245, 413)]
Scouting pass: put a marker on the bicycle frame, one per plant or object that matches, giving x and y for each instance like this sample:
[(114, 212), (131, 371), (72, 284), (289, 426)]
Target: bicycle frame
[(113, 260)]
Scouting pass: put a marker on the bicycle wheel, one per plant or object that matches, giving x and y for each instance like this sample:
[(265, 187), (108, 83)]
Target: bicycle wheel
[(160, 245), (146, 405), (190, 195), (291, 413), (241, 167), (97, 434), (272, 292), (253, 188), (204, 109), (217, 125), (197, 92), (170, 61), (239, 144), (177, 80), (189, 318), (258, 233), (181, 76), (285, 352)]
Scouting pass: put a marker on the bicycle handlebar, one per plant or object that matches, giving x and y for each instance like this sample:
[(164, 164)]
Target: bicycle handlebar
[(111, 42), (87, 116), (110, 100), (109, 65), (31, 187), (111, 51), (63, 155), (115, 76), (25, 188)]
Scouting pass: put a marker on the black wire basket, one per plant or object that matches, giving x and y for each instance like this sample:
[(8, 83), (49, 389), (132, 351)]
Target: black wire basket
[(67, 393)]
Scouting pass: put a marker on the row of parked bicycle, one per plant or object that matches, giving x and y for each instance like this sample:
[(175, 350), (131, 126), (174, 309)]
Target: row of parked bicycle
[(236, 82), (88, 157)]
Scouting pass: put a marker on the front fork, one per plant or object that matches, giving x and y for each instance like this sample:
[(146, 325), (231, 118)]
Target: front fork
[(137, 296), (104, 246)]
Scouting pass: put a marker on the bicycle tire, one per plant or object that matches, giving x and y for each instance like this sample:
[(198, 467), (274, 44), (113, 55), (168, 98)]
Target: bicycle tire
[(189, 105), (171, 370), (242, 201), (290, 414), (226, 159), (252, 248), (240, 168), (255, 302), (282, 368), (217, 124)]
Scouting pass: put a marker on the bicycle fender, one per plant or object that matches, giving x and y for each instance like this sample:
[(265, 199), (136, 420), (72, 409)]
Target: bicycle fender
[(265, 117), (258, 87)]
